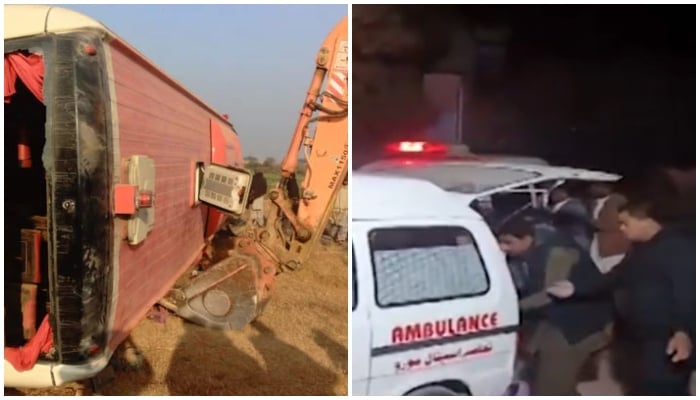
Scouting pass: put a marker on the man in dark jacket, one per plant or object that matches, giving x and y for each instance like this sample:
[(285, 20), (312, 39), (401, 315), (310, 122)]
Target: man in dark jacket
[(566, 332), (655, 296), (571, 215)]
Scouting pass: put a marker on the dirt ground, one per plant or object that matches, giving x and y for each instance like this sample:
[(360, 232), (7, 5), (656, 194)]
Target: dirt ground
[(298, 347)]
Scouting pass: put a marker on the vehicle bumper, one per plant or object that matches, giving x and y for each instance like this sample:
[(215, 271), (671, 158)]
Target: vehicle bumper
[(46, 374)]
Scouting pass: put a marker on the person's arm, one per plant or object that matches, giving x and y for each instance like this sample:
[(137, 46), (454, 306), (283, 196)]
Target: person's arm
[(601, 282), (594, 284), (534, 301), (558, 266), (678, 259)]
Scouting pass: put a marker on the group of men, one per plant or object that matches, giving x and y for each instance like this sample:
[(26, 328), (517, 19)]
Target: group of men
[(615, 273)]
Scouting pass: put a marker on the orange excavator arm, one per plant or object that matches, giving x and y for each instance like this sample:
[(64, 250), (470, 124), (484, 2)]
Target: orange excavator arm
[(321, 135), (244, 258)]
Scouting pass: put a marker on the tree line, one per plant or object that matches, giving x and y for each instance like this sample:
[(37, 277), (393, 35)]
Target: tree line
[(270, 166)]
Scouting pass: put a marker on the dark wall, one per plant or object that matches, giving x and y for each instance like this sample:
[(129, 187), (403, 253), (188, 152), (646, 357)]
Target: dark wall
[(598, 86)]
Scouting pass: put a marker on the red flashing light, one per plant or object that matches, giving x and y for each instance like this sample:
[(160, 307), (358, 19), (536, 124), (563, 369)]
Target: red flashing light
[(417, 147)]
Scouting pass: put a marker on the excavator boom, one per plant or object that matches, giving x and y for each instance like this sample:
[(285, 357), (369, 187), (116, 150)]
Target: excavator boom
[(322, 135), (235, 280)]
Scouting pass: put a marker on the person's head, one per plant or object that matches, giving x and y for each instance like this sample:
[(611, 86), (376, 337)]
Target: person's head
[(559, 194), (516, 237), (601, 189), (637, 222)]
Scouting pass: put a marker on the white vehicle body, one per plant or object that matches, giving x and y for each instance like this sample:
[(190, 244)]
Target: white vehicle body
[(513, 159), (434, 308), (475, 182)]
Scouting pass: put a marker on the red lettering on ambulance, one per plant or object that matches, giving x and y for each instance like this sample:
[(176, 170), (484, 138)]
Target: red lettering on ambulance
[(413, 333), (444, 328), (397, 335), (441, 328), (473, 323), (427, 330), (494, 320), (485, 321), (450, 328), (461, 325)]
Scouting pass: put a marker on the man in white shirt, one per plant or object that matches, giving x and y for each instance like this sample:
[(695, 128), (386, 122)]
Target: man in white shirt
[(609, 244)]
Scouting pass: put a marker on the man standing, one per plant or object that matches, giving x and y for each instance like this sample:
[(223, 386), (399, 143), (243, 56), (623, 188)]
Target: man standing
[(570, 215), (566, 332), (609, 244), (656, 300)]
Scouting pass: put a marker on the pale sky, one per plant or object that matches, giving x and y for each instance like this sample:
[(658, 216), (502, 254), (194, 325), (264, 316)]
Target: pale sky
[(252, 62)]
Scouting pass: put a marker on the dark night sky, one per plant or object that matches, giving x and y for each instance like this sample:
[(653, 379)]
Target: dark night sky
[(599, 86), (593, 31)]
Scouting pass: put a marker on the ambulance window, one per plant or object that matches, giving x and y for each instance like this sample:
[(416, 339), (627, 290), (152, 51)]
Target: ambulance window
[(426, 264)]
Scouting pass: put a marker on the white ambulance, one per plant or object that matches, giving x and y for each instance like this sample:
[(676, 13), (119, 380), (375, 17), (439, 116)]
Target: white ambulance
[(434, 309), (496, 187)]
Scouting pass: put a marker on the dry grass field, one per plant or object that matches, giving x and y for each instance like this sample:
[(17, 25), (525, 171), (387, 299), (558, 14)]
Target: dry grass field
[(299, 347)]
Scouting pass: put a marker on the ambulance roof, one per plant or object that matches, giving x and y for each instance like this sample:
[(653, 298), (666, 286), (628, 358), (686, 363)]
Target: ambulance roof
[(385, 197), (480, 178)]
